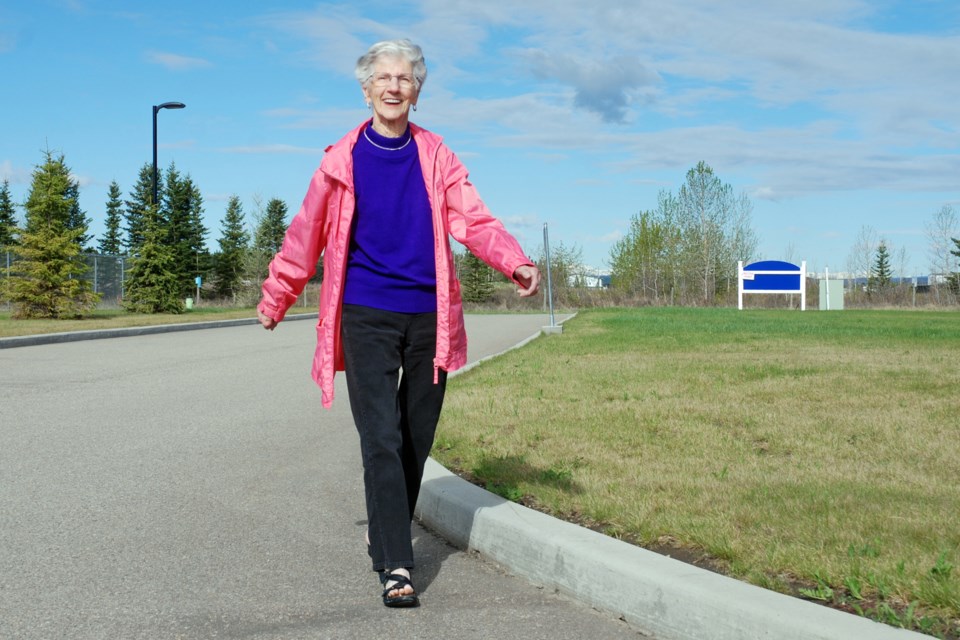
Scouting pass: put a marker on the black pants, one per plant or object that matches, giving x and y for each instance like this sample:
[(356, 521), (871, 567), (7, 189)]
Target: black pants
[(396, 406)]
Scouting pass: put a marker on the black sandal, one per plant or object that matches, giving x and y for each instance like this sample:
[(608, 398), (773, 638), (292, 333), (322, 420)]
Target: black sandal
[(402, 581)]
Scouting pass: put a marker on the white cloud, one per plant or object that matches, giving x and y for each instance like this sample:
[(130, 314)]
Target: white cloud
[(176, 62), (803, 97), (520, 221), (14, 175)]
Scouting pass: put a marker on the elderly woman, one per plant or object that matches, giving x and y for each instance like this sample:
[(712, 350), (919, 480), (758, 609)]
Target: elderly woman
[(380, 209)]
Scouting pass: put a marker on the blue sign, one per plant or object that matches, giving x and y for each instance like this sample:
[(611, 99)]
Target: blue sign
[(772, 276)]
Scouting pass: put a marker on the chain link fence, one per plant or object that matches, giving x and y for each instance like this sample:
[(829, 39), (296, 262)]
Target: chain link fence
[(106, 273)]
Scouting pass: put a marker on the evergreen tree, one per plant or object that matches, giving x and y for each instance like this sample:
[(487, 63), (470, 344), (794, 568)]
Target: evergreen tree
[(48, 282), (197, 232), (152, 284), (954, 280), (110, 243), (185, 233), (53, 196), (8, 217), (476, 279), (77, 220), (138, 208), (175, 202), (268, 236), (234, 241), (881, 274)]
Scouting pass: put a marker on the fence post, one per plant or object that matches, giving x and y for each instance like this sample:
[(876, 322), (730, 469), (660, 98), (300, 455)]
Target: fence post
[(553, 328), (546, 250)]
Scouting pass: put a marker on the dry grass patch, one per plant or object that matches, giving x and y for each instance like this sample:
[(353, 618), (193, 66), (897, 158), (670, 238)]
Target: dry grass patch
[(794, 449), (116, 319)]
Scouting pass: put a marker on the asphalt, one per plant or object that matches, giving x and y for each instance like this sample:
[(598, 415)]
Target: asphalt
[(185, 483)]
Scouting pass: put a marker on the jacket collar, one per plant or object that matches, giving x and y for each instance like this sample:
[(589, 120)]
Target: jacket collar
[(338, 162)]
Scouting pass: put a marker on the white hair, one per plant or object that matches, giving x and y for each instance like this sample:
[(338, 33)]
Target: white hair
[(403, 49)]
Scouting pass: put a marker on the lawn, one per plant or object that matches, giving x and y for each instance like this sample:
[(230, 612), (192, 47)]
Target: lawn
[(813, 453), (117, 318)]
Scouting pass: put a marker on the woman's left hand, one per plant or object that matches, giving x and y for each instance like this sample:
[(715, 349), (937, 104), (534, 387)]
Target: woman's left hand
[(529, 278)]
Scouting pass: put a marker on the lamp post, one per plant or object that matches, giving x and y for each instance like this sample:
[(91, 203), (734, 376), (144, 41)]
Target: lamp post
[(156, 108)]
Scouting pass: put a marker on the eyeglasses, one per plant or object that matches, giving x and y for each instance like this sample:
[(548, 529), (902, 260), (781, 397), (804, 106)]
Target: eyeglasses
[(385, 79)]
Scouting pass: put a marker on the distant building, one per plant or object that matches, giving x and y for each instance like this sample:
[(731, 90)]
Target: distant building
[(590, 278)]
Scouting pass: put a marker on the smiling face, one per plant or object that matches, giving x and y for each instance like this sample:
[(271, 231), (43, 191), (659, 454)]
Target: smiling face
[(391, 100)]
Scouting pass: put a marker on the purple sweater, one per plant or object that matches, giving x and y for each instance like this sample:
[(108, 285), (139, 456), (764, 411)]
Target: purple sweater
[(390, 264)]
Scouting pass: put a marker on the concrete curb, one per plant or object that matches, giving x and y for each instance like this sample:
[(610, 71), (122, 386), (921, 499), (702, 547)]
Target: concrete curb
[(126, 332), (653, 593)]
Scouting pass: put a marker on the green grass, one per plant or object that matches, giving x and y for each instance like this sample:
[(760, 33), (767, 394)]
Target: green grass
[(117, 318), (812, 453)]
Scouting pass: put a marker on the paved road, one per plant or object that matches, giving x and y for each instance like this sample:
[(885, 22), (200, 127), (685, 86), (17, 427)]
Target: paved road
[(188, 485)]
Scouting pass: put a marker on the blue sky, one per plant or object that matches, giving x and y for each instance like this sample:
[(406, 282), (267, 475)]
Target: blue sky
[(831, 115)]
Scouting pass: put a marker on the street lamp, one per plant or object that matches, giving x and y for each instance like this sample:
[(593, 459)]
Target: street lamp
[(156, 108)]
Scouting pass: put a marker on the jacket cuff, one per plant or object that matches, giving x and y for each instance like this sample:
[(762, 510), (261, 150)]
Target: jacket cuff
[(271, 311)]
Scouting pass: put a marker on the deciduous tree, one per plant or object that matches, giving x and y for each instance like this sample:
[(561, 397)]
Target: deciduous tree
[(689, 245)]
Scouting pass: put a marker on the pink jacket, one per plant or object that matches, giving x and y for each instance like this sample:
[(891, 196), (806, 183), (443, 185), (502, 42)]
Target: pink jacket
[(323, 226)]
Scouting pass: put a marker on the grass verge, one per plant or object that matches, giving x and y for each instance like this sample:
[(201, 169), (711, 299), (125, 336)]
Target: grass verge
[(115, 319), (817, 454)]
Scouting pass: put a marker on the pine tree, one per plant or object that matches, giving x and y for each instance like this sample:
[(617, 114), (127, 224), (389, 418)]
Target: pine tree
[(476, 278), (152, 284), (197, 232), (137, 208), (175, 203), (185, 233), (954, 279), (48, 281), (77, 220), (111, 240), (8, 217), (234, 241), (269, 233), (881, 274)]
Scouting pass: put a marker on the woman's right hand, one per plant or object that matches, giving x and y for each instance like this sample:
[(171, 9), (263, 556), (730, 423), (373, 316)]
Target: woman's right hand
[(267, 322)]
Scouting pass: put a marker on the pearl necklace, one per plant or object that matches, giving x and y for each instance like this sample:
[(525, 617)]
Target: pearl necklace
[(380, 146)]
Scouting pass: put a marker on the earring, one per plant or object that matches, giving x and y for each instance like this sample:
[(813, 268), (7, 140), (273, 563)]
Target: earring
[(414, 107), (369, 105)]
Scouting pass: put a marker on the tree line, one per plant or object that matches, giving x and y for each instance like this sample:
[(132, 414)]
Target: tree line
[(684, 251), (164, 243)]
